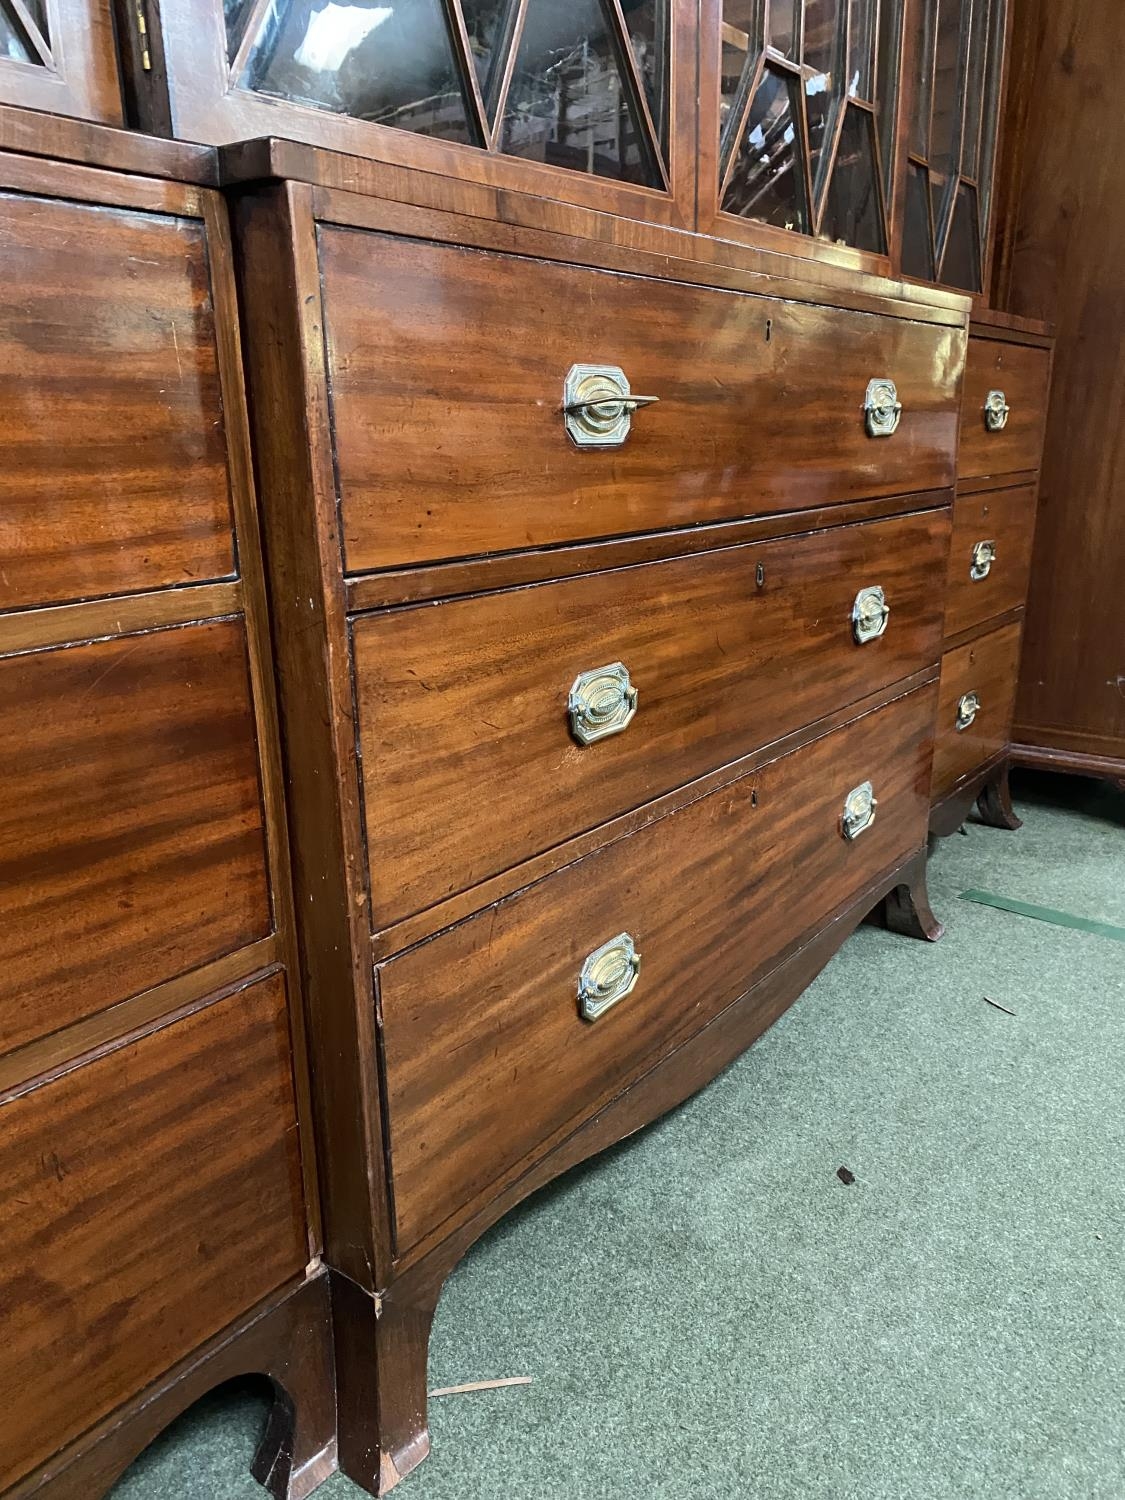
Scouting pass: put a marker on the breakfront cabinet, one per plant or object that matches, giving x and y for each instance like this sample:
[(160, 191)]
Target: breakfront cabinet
[(856, 132)]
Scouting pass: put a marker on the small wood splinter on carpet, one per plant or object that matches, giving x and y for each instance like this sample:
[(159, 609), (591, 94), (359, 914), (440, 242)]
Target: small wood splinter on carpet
[(997, 1006), (481, 1385), (846, 1176)]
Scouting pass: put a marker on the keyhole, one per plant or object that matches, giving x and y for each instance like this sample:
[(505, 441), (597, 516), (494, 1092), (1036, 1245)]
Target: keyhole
[(754, 797), (769, 329), (760, 574)]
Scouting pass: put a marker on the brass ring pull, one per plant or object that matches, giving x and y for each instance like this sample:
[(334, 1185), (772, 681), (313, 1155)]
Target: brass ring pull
[(984, 555), (608, 975), (996, 411), (598, 405), (870, 614), (968, 706), (601, 702), (882, 408), (859, 810)]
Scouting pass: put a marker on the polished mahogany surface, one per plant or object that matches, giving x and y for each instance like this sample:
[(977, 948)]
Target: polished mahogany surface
[(1007, 518), (113, 463), (462, 707), (987, 667), (486, 1054), (154, 1193), (446, 369), (131, 819), (1022, 372)]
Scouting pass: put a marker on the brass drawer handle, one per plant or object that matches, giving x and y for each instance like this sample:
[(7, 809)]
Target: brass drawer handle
[(870, 613), (598, 405), (968, 706), (984, 555), (996, 411), (602, 702), (859, 810), (882, 408), (607, 976)]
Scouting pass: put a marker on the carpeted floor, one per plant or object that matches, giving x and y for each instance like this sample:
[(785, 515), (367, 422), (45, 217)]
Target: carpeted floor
[(707, 1311)]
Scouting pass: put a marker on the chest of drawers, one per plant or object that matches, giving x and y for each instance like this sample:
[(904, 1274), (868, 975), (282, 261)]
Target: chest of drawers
[(608, 709)]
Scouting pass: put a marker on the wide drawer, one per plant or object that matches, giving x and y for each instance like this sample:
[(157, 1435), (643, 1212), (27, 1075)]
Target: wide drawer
[(487, 1055), (978, 693), (1020, 373), (471, 751), (152, 1196), (989, 556), (447, 369), (113, 465), (130, 820)]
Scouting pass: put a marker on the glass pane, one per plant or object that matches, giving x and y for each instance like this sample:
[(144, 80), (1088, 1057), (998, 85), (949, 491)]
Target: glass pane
[(974, 88), (861, 50), (853, 210), (785, 16), (741, 36), (235, 13), (767, 179), (917, 237), (486, 22), (887, 84), (37, 10), (961, 267), (945, 119), (991, 111), (825, 53), (923, 93), (14, 42), (568, 103), (391, 62), (647, 24)]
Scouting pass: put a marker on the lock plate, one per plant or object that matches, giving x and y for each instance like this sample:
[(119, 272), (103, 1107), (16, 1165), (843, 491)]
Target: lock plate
[(996, 411), (608, 975), (598, 405)]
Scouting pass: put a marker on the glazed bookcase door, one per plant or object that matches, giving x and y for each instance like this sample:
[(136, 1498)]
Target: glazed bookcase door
[(957, 78), (799, 100), (590, 101), (59, 56)]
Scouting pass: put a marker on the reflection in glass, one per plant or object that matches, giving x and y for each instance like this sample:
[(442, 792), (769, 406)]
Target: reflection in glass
[(784, 28), (569, 102), (647, 24), (945, 125), (917, 237), (767, 180), (486, 23), (391, 62), (961, 267), (920, 126), (14, 41), (861, 50), (974, 88), (887, 84), (741, 32), (236, 13), (825, 54), (853, 212), (991, 107)]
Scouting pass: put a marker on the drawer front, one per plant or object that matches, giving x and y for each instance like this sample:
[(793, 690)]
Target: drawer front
[(1021, 373), (113, 468), (989, 556), (130, 820), (447, 369), (487, 1056), (159, 1197), (987, 669), (472, 754)]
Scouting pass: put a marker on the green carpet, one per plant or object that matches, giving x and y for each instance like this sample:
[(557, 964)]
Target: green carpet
[(707, 1311)]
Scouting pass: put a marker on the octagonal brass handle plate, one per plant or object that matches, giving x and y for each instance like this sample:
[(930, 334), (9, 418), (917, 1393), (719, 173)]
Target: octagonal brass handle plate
[(996, 411), (870, 614), (882, 408), (608, 975), (598, 405), (602, 702), (968, 706), (859, 810), (984, 555)]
